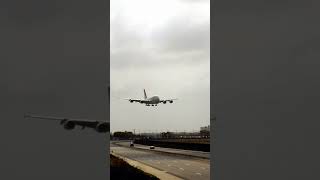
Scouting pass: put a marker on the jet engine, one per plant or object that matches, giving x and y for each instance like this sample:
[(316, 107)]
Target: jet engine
[(164, 102), (131, 101), (69, 125), (103, 127), (171, 101)]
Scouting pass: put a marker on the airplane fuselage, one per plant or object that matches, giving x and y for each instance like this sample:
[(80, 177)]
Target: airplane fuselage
[(153, 100)]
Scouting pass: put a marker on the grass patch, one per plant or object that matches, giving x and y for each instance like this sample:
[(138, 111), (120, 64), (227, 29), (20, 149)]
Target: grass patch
[(119, 169)]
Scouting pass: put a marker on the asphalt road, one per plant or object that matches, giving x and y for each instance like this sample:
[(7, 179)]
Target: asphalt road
[(185, 167)]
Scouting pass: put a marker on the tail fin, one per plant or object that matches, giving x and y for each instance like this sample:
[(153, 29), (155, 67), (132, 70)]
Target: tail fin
[(145, 94)]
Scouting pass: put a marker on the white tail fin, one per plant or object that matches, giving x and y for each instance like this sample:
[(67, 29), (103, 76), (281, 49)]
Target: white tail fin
[(145, 94)]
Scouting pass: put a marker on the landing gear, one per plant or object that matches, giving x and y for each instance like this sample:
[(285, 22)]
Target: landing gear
[(151, 104)]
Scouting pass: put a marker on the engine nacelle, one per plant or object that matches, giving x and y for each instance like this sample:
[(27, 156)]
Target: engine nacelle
[(131, 101), (171, 101), (103, 127), (164, 102), (69, 125)]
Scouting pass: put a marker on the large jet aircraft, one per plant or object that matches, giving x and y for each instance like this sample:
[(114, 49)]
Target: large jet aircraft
[(68, 123), (153, 101), (99, 126)]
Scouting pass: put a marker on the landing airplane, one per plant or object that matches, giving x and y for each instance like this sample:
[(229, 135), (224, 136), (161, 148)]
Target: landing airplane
[(99, 126), (68, 123), (153, 101)]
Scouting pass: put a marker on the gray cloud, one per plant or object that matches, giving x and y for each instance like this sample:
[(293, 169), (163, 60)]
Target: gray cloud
[(170, 58), (183, 35), (179, 41)]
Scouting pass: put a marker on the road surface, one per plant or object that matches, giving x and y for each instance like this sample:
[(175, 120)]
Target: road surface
[(185, 167)]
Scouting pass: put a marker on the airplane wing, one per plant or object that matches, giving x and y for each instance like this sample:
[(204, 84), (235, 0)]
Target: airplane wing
[(168, 100), (70, 123), (136, 100)]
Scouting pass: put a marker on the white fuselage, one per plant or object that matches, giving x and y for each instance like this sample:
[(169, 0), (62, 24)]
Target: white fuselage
[(153, 100)]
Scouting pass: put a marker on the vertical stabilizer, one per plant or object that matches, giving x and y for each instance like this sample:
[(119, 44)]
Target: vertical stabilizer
[(145, 94)]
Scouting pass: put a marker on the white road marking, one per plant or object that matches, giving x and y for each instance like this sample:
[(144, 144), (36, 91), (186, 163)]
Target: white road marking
[(198, 174)]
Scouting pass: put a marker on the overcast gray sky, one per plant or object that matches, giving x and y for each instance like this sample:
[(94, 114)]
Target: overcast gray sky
[(164, 47)]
